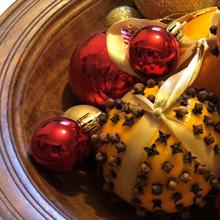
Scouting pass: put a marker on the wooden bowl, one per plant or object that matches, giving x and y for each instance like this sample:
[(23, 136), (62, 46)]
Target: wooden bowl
[(36, 41)]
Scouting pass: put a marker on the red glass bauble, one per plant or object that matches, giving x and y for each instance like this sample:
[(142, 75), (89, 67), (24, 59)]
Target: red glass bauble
[(153, 52), (58, 144), (93, 77)]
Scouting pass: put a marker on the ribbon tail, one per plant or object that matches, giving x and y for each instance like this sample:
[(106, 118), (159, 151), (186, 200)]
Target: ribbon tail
[(187, 49), (141, 137), (205, 154), (174, 86), (127, 174), (146, 104)]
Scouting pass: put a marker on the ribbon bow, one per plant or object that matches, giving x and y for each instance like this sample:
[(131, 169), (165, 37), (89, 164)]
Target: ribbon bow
[(168, 94), (156, 113)]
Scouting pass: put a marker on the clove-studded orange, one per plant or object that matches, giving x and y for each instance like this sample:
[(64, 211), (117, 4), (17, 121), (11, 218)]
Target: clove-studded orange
[(168, 177)]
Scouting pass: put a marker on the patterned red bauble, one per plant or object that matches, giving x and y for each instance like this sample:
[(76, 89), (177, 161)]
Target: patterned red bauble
[(93, 77), (58, 144), (153, 52)]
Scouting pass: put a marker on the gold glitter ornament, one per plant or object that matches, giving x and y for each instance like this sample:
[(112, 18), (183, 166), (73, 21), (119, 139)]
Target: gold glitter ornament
[(120, 14), (154, 9)]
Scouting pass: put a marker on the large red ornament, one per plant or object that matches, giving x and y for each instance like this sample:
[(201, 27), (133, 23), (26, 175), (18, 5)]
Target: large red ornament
[(93, 77), (58, 144), (153, 52)]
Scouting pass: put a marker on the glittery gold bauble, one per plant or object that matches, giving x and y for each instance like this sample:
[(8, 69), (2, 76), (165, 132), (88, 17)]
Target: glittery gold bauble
[(120, 14), (153, 9)]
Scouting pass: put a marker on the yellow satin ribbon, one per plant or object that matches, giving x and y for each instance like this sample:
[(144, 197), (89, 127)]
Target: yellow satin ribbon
[(168, 94)]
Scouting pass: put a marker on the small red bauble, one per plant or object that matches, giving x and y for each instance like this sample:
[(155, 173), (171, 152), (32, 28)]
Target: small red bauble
[(153, 52), (58, 144), (93, 77)]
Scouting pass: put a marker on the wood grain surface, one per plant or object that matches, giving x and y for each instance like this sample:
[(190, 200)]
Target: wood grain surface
[(36, 41)]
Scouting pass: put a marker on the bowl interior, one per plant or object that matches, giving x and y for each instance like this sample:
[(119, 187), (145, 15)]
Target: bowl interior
[(46, 93)]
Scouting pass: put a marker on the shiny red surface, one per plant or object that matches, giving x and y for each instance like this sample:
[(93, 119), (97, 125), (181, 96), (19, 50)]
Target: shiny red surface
[(93, 77), (153, 52), (58, 144)]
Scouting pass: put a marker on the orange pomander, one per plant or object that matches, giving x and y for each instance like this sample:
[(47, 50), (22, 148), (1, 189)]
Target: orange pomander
[(168, 177)]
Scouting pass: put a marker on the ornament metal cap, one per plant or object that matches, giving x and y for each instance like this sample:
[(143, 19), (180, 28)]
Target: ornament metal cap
[(175, 28), (89, 123), (86, 116)]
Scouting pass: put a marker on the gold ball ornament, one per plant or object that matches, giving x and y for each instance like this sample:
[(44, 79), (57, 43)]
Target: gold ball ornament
[(121, 13), (154, 9)]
